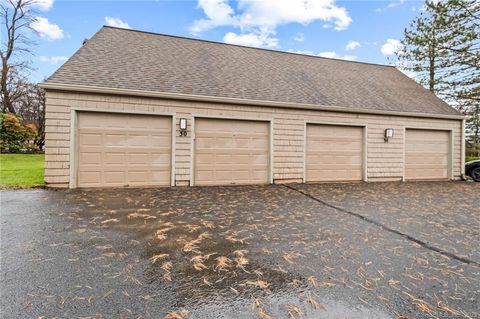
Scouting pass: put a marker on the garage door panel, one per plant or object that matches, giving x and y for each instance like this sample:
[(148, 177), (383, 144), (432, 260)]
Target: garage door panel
[(161, 158), (147, 159), (93, 139), (123, 149), (335, 140), (88, 178), (426, 154), (425, 148), (115, 158), (138, 176), (113, 139), (261, 159), (336, 159), (240, 176), (333, 130), (138, 158), (231, 152), (114, 176), (339, 174), (164, 139), (90, 158), (334, 153), (232, 142), (427, 173), (441, 160)]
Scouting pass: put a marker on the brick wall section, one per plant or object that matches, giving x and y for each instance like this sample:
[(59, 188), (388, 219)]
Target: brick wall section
[(385, 160)]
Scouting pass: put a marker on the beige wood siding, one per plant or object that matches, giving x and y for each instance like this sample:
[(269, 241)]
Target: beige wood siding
[(231, 152), (123, 150), (385, 161), (427, 154), (334, 153)]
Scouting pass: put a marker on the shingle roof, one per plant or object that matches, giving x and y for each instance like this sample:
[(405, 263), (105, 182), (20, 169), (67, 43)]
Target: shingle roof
[(128, 59)]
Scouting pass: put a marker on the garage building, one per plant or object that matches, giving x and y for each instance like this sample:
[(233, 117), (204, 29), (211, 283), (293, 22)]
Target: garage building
[(133, 108)]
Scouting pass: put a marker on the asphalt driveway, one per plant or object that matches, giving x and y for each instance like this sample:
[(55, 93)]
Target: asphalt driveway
[(389, 250)]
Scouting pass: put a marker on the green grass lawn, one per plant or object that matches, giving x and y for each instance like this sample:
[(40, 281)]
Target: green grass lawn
[(26, 170), (21, 170), (470, 158)]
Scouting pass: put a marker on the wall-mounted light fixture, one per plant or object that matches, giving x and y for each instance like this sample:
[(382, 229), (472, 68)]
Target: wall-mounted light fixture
[(183, 127), (388, 134)]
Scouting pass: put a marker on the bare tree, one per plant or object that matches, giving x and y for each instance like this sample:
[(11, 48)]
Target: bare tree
[(16, 17), (31, 107)]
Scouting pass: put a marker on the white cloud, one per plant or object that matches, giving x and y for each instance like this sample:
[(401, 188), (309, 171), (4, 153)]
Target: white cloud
[(218, 13), (390, 5), (263, 17), (47, 30), (43, 5), (409, 73), (251, 40), (299, 37), (325, 54), (306, 52), (390, 47), (352, 45), (328, 54), (348, 57), (405, 68), (334, 55), (116, 22), (54, 60)]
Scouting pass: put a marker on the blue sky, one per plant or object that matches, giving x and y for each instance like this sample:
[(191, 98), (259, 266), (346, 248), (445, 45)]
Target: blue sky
[(357, 30)]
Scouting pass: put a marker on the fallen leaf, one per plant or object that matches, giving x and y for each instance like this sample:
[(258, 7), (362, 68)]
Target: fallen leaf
[(112, 220), (154, 258), (174, 315), (223, 263)]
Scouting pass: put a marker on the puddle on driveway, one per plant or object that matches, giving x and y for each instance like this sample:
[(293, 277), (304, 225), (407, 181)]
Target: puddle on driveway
[(229, 252), (222, 258), (285, 304)]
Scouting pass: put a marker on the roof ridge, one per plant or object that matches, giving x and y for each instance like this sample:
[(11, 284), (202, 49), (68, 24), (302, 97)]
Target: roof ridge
[(247, 47)]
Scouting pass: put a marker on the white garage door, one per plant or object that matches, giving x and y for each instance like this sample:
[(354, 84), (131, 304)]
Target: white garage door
[(334, 153), (231, 152), (123, 150), (426, 154)]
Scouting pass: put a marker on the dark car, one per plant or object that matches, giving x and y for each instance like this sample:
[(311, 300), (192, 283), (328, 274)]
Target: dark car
[(472, 169)]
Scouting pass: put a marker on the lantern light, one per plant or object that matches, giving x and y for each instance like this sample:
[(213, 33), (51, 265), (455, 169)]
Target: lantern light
[(388, 134), (183, 127)]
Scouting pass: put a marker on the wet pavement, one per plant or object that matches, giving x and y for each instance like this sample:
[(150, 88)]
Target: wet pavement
[(386, 250)]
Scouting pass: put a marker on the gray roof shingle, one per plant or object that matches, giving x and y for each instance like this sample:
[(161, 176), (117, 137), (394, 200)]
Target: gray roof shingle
[(128, 59)]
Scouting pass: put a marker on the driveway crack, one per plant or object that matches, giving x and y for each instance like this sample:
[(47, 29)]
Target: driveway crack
[(386, 228)]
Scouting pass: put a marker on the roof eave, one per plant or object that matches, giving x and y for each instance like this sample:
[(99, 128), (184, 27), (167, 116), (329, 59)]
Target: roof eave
[(228, 100)]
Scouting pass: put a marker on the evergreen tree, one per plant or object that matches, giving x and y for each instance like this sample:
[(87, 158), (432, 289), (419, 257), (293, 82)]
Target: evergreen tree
[(442, 47)]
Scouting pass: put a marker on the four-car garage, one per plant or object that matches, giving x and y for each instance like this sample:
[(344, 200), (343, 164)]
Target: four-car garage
[(133, 108), (121, 149)]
